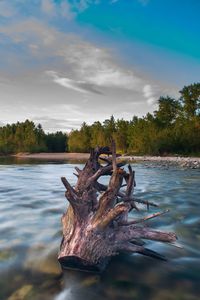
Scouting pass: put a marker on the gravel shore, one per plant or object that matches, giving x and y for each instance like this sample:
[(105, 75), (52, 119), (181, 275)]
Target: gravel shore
[(187, 162)]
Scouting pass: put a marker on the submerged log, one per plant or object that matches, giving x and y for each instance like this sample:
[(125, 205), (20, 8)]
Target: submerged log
[(96, 225)]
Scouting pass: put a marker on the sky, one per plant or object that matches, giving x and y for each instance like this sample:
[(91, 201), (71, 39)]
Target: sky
[(65, 62)]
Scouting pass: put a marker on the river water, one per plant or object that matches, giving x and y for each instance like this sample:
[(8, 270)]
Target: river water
[(31, 204)]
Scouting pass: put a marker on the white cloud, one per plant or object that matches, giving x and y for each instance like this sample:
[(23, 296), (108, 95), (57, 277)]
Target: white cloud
[(87, 78), (149, 94), (147, 90), (66, 82), (78, 86), (53, 117), (97, 66), (66, 118), (85, 67), (115, 77)]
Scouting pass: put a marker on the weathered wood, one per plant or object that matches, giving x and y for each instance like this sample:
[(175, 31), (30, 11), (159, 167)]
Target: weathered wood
[(96, 225)]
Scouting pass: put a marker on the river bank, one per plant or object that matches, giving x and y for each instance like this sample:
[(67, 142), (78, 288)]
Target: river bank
[(53, 156), (187, 162)]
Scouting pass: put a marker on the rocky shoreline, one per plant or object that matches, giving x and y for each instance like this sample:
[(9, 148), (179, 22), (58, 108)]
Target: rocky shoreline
[(186, 162)]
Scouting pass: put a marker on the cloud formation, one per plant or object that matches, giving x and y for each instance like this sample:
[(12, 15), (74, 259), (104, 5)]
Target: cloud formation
[(78, 86), (56, 75), (88, 67), (149, 94)]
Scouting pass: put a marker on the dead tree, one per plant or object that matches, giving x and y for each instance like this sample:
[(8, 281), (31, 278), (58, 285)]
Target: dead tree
[(96, 225)]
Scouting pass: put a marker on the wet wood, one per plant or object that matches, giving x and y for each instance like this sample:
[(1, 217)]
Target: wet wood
[(96, 224)]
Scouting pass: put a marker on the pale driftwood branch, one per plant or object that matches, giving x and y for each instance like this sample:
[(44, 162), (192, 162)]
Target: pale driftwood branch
[(127, 233), (160, 213), (130, 182), (114, 159), (111, 216), (67, 185), (78, 170)]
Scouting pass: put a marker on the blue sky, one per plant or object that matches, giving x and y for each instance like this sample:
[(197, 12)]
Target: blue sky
[(172, 25), (64, 62)]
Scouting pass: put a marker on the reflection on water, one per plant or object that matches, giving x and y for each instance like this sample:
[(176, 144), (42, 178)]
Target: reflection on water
[(31, 204)]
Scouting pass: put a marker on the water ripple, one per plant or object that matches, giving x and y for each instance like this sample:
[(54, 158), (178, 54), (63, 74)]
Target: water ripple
[(32, 202)]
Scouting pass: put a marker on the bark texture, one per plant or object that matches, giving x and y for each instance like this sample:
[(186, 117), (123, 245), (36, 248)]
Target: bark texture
[(96, 225)]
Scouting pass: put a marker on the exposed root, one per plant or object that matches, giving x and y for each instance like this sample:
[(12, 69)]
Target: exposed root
[(96, 224)]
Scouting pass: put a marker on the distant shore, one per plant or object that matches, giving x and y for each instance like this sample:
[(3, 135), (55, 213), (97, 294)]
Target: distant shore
[(54, 156), (190, 162)]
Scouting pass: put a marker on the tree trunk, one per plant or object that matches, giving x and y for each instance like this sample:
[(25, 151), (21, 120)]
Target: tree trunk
[(95, 225)]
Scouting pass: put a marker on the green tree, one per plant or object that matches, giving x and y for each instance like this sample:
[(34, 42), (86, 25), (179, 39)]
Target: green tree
[(21, 137), (120, 135), (56, 142), (190, 97), (168, 110), (97, 132), (80, 140), (109, 129)]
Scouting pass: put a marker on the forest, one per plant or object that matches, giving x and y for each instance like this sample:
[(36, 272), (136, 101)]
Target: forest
[(27, 137), (174, 128)]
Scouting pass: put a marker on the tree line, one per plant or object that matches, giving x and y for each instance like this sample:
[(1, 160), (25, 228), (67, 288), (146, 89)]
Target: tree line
[(27, 137), (174, 128)]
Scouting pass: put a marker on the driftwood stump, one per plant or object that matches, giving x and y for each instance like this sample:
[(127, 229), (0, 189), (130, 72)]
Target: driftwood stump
[(96, 225)]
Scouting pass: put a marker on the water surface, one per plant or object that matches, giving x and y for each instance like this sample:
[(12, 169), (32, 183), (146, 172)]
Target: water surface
[(31, 204)]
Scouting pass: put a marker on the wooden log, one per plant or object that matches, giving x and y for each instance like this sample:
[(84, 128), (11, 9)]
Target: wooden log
[(95, 225)]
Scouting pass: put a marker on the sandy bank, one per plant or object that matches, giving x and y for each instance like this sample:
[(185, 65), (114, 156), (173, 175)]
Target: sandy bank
[(54, 156)]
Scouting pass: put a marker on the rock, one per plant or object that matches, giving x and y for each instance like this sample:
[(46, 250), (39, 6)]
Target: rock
[(91, 280), (22, 293), (42, 262), (6, 254)]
